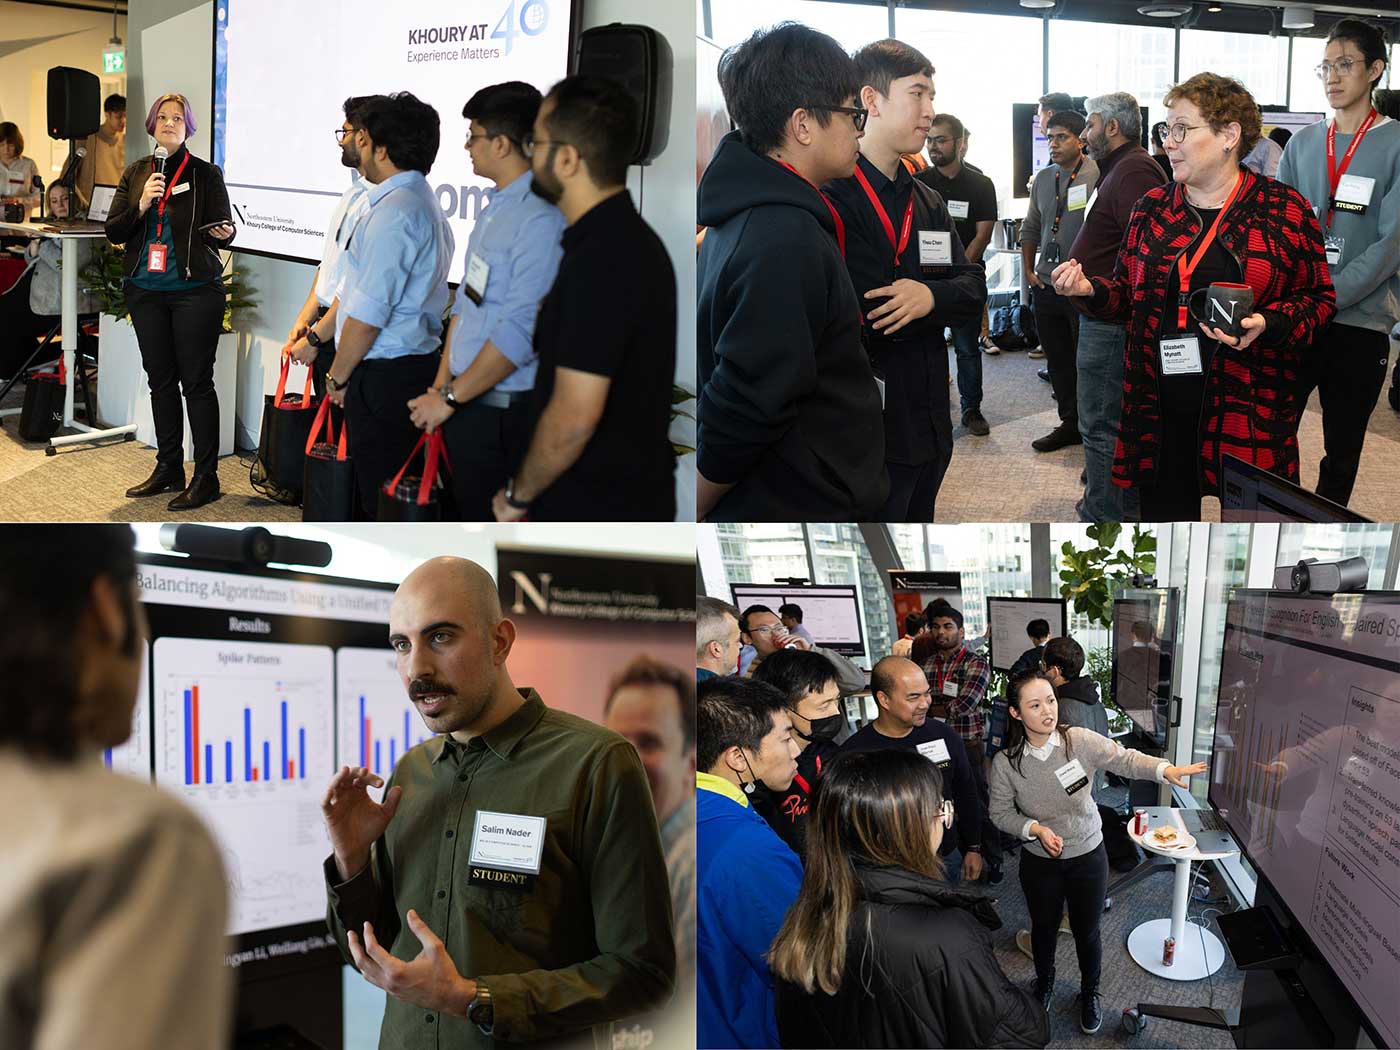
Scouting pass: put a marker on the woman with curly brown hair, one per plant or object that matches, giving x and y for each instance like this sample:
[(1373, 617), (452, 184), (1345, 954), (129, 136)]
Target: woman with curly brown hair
[(1193, 392)]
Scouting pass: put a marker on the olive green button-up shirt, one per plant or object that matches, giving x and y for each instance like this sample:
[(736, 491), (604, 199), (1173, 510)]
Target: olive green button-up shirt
[(587, 942)]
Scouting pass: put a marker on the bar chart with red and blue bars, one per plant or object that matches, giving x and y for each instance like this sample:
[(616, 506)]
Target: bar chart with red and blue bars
[(376, 724), (254, 754)]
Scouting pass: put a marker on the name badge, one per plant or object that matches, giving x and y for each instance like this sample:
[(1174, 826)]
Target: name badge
[(478, 271), (950, 688), (936, 751), (1181, 356), (1078, 197), (1088, 207), (1334, 245), (1354, 193), (935, 249), (156, 256), (183, 187), (1071, 776), (957, 209), (507, 841)]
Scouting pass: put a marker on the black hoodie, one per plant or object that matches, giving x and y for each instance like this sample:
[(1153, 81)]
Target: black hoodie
[(923, 976), (789, 412)]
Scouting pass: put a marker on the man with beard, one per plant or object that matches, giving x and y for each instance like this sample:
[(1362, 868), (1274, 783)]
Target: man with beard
[(1126, 172), (606, 332), (511, 886), (330, 275), (807, 681), (902, 692), (481, 395), (910, 274)]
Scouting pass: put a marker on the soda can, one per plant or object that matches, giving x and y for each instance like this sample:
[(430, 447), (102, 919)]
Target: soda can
[(1168, 951)]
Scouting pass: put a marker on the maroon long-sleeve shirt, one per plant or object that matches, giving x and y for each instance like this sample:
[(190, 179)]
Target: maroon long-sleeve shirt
[(1124, 176)]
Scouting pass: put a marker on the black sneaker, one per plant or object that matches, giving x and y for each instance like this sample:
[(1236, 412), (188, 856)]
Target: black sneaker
[(1044, 991), (994, 875), (1061, 437), (976, 423), (1043, 374), (1090, 1016)]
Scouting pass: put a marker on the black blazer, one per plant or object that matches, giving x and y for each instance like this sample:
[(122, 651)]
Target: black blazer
[(206, 201), (924, 975)]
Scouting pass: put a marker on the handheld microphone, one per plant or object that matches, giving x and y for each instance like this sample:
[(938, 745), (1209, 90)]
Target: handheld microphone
[(159, 158)]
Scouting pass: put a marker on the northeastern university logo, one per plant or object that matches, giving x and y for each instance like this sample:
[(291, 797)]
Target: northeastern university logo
[(536, 591)]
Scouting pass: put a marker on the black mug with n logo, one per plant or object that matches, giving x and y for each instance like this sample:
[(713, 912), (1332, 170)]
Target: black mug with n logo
[(1226, 306)]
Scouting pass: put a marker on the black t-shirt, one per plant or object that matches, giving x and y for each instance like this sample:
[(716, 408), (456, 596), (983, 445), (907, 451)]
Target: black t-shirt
[(958, 783), (1183, 395), (612, 312), (968, 187), (787, 811)]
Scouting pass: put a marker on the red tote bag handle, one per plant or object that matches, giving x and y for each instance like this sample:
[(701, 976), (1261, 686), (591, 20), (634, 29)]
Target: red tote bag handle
[(435, 451), (282, 386), (323, 418)]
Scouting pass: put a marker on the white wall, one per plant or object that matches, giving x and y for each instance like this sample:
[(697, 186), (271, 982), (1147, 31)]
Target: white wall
[(64, 38)]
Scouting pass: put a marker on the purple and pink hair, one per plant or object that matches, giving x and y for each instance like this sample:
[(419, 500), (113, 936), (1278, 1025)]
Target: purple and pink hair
[(190, 128)]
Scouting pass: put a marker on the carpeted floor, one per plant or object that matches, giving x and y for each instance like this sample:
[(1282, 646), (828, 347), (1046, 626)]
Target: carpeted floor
[(89, 482), (1001, 478), (1123, 983)]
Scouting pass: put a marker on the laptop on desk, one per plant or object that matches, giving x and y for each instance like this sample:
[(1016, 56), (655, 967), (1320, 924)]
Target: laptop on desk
[(96, 219), (1208, 829)]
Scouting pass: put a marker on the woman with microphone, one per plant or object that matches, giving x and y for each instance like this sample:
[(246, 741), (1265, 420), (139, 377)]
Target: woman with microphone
[(171, 212)]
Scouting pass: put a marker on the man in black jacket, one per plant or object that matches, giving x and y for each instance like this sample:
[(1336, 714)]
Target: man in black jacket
[(910, 271), (1038, 631), (789, 412)]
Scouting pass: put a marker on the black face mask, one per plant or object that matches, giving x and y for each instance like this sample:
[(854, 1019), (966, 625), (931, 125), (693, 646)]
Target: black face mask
[(822, 728)]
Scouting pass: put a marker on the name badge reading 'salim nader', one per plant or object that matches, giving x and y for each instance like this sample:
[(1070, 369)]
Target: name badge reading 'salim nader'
[(506, 850)]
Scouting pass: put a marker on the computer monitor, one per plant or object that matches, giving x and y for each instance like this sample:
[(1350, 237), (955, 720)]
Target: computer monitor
[(830, 612), (1007, 619), (1144, 637), (1290, 120), (1305, 771), (1251, 494)]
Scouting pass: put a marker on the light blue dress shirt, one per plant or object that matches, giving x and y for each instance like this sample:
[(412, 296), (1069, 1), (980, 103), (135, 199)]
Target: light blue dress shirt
[(396, 268), (519, 236), (348, 212)]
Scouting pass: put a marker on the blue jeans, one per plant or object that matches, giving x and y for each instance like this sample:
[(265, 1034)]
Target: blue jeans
[(1099, 362), (966, 338)]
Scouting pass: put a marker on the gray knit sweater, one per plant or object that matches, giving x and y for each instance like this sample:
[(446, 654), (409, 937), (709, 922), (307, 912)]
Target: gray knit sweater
[(1036, 794)]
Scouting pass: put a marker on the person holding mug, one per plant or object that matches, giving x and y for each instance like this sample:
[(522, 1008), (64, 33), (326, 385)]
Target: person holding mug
[(1042, 792), (1193, 391), (171, 212)]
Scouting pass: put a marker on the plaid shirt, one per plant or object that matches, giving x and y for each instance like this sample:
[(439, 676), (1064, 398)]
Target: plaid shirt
[(971, 673), (1254, 398)]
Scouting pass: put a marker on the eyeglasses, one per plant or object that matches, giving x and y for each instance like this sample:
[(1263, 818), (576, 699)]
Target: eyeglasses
[(939, 141), (529, 144), (766, 630), (858, 115), (1177, 132), (340, 134), (1342, 68), (945, 812)]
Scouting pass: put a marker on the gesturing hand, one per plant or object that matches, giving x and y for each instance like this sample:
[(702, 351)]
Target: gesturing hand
[(353, 819), (1068, 279), (1173, 774), (430, 981), (909, 300)]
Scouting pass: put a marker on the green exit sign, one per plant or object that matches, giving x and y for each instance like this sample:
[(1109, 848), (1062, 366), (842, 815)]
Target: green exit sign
[(114, 61)]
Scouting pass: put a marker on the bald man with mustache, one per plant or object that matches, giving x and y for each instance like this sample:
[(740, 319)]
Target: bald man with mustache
[(511, 886)]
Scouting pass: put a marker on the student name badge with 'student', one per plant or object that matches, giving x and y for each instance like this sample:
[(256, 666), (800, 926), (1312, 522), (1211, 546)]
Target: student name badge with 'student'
[(1071, 776), (506, 850), (1078, 198), (957, 209), (156, 256), (936, 751), (477, 274), (935, 249), (1333, 245), (1181, 356), (1354, 194)]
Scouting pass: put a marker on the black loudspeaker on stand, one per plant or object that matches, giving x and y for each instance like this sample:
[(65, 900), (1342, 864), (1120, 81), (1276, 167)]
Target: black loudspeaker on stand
[(639, 59), (75, 103)]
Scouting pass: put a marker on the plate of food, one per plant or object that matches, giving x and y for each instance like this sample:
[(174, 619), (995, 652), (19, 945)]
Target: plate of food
[(1169, 836)]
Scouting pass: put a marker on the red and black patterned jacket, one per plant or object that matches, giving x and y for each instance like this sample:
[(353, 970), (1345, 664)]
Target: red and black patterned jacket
[(1254, 398)]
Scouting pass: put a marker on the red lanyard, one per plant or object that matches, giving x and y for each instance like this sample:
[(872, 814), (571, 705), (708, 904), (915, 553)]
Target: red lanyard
[(840, 226), (160, 211), (802, 781), (1334, 173), (1060, 205), (905, 227), (1185, 269), (944, 673)]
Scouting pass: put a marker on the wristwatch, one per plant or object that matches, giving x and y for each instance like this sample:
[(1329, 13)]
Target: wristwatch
[(313, 339), (333, 384), (447, 395), (480, 1012), (511, 501)]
